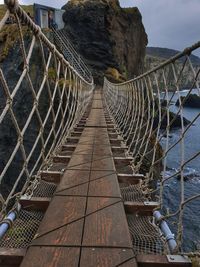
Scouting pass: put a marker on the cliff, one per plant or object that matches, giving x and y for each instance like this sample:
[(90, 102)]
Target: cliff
[(156, 56), (107, 36)]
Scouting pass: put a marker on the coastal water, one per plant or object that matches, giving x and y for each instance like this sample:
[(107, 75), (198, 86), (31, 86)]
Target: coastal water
[(172, 189)]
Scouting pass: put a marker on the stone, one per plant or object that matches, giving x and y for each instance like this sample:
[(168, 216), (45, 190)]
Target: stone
[(106, 36), (192, 101)]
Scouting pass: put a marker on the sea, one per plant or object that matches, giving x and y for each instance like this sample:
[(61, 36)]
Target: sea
[(172, 188)]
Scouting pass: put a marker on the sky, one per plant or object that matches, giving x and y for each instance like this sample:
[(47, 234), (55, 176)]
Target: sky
[(168, 23)]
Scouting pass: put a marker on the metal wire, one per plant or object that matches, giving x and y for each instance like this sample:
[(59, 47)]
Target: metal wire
[(146, 237), (23, 230)]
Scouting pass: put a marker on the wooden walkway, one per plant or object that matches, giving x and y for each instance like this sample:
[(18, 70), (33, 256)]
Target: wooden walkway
[(85, 224)]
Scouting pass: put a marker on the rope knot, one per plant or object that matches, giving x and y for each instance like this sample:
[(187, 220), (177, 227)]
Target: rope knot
[(20, 139), (12, 5), (9, 102), (158, 221)]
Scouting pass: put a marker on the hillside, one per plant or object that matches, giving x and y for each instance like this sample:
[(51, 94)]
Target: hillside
[(167, 53), (111, 39), (156, 56), (27, 8), (9, 34)]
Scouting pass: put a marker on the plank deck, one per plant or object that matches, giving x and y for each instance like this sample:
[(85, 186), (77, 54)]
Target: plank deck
[(85, 224)]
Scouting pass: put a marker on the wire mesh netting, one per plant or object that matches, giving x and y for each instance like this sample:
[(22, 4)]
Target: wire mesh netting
[(23, 230), (44, 189), (133, 193), (158, 115), (146, 237), (42, 97)]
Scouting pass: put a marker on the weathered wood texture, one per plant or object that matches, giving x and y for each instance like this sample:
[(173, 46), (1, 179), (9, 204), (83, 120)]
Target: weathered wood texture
[(85, 224)]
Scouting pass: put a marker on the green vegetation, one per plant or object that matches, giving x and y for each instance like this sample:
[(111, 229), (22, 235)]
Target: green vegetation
[(28, 8), (195, 262), (131, 10), (8, 37), (166, 53), (113, 75), (9, 34)]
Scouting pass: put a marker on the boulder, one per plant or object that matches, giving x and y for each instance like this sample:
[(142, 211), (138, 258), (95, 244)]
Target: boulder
[(192, 101), (106, 36), (172, 116)]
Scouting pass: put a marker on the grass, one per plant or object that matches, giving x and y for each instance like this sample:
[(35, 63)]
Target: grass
[(28, 8), (114, 76), (9, 34), (131, 10)]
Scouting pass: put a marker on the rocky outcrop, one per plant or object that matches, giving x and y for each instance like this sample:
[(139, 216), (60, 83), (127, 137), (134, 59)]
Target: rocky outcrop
[(183, 70), (192, 101), (174, 120), (106, 36)]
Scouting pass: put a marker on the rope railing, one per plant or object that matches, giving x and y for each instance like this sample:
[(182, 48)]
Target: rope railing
[(42, 97), (151, 113)]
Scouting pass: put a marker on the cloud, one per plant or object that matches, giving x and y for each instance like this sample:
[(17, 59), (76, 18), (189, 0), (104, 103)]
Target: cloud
[(169, 23)]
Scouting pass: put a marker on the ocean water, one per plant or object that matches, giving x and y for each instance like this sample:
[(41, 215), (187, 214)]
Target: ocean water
[(172, 189)]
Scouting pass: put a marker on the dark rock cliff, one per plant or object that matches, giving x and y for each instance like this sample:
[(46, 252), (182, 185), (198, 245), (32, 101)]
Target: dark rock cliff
[(107, 36)]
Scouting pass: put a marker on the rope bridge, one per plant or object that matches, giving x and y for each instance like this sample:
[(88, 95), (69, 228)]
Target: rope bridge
[(141, 109), (57, 88), (58, 98)]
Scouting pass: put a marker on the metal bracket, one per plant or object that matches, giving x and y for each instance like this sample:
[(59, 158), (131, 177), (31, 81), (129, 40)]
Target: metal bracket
[(178, 259)]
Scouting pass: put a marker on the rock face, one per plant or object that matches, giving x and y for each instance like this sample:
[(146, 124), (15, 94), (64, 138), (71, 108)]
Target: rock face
[(156, 56), (174, 119), (106, 36), (192, 101)]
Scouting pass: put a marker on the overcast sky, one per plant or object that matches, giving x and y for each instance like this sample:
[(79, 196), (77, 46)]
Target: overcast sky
[(168, 23)]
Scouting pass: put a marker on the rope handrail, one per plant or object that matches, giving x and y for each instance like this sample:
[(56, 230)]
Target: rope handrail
[(186, 52), (40, 103), (158, 134), (71, 55)]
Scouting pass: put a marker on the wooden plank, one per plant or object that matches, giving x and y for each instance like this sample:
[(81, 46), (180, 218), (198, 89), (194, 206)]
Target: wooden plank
[(72, 140), (76, 134), (119, 149), (35, 203), (140, 208), (61, 159), (86, 213), (77, 161), (123, 161), (62, 211), (69, 235), (11, 257), (130, 178), (79, 190), (51, 176), (51, 257), (158, 261), (107, 227), (58, 167), (78, 129), (68, 147), (103, 164), (106, 257), (73, 178), (105, 187), (115, 142), (114, 135), (98, 203)]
